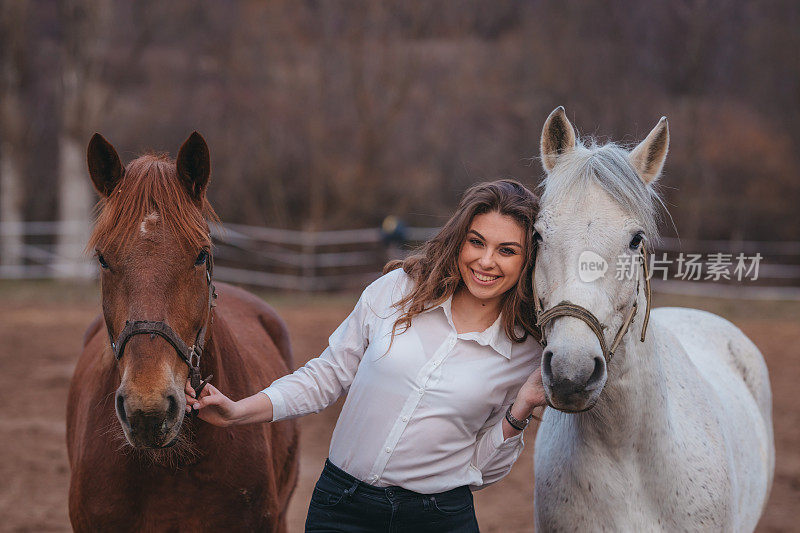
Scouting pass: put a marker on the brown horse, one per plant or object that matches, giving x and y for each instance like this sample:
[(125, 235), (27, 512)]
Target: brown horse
[(138, 461)]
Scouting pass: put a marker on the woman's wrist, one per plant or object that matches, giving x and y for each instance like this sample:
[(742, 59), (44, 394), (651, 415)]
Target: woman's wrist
[(522, 409), (238, 413), (520, 412), (253, 409)]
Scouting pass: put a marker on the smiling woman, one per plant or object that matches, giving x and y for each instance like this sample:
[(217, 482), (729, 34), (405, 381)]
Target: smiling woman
[(440, 362)]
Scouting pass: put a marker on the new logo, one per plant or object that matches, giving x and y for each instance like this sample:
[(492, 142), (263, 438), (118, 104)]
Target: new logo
[(591, 266)]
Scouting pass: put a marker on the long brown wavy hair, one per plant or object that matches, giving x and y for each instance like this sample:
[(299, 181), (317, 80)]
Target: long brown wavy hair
[(434, 268)]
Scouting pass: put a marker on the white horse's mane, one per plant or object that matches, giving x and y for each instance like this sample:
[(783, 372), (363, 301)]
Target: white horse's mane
[(607, 166)]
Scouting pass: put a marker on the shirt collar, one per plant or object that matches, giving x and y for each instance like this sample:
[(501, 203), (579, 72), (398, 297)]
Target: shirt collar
[(493, 336)]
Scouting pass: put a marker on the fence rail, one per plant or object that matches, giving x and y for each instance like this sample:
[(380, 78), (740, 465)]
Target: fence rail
[(347, 259)]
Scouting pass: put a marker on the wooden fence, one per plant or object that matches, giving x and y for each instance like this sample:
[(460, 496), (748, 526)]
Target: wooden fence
[(349, 259)]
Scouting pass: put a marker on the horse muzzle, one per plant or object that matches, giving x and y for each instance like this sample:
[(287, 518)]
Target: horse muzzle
[(150, 423), (572, 382)]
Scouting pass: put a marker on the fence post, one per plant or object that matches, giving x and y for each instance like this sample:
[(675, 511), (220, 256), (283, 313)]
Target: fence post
[(309, 262)]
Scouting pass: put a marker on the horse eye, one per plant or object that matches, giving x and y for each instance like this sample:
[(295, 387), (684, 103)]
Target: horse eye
[(537, 237), (636, 241), (201, 258), (101, 260)]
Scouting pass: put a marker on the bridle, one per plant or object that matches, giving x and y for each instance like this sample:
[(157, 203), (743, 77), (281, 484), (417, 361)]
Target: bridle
[(190, 355), (567, 308)]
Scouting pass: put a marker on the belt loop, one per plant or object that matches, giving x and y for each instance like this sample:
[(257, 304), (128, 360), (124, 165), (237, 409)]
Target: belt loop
[(426, 503), (348, 493)]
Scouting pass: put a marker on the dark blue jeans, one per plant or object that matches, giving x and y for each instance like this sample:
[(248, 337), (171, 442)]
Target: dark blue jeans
[(342, 503)]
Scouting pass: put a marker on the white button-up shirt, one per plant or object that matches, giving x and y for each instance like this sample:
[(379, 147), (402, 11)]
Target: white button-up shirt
[(425, 415)]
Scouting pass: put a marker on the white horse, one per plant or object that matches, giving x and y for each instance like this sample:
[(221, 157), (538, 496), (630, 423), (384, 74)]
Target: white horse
[(672, 433)]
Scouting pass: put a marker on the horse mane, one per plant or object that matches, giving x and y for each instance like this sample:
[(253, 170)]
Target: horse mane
[(608, 166), (150, 184)]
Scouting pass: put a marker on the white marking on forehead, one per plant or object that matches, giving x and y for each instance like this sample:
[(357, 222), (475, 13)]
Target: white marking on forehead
[(148, 223)]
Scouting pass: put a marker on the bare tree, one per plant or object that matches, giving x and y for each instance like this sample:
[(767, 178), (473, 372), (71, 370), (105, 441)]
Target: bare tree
[(12, 129), (86, 28)]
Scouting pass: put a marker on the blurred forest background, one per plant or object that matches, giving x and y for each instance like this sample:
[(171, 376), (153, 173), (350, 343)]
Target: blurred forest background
[(333, 114)]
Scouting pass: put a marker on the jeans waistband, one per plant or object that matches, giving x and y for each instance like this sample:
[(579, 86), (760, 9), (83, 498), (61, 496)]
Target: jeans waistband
[(333, 471)]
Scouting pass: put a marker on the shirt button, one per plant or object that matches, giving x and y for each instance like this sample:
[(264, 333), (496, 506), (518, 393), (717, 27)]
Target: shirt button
[(388, 450), (421, 391), (375, 478), (405, 419), (436, 363)]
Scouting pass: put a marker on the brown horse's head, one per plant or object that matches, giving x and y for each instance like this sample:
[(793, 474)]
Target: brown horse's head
[(151, 241)]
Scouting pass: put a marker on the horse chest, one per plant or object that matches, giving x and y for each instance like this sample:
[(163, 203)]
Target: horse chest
[(632, 487), (183, 500), (227, 489)]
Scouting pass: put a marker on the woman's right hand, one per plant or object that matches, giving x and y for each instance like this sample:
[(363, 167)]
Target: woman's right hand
[(212, 406)]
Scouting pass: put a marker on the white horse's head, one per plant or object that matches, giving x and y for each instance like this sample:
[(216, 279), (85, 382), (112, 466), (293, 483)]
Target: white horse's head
[(598, 208)]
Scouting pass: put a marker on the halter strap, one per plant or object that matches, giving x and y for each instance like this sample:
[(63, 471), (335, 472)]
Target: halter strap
[(566, 308)]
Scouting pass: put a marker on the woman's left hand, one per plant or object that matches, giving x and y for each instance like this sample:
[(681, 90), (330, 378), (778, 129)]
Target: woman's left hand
[(532, 392), (530, 396)]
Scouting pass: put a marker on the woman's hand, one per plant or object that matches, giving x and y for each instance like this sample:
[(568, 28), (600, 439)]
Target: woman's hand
[(212, 406), (530, 396), (532, 392), (219, 410)]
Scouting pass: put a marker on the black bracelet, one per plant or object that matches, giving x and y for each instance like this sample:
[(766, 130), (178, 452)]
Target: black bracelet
[(519, 425)]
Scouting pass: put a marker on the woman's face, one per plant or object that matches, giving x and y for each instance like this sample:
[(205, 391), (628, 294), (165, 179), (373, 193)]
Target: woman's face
[(492, 256)]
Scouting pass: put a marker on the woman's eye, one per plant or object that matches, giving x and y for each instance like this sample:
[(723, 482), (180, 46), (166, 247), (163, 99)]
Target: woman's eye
[(101, 260), (636, 241), (476, 242), (507, 251), (201, 258)]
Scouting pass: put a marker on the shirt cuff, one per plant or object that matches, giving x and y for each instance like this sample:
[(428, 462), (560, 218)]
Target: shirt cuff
[(278, 405), (497, 437)]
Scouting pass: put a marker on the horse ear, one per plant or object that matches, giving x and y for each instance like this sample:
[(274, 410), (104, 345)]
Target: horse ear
[(194, 166), (105, 167), (558, 137), (648, 158)]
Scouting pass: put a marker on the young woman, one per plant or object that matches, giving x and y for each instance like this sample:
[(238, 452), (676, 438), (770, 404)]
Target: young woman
[(440, 363)]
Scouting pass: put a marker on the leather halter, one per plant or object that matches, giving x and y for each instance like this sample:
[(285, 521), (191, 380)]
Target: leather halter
[(567, 308), (189, 354)]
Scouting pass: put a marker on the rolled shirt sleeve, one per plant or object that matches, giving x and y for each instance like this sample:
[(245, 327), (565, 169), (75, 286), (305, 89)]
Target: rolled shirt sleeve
[(320, 382), (494, 456)]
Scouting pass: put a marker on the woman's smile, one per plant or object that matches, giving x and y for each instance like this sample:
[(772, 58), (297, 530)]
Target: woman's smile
[(485, 279)]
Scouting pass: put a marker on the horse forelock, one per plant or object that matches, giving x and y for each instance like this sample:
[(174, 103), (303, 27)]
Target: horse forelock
[(150, 192), (607, 166)]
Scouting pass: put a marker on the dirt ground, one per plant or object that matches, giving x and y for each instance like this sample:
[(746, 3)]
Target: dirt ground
[(41, 326)]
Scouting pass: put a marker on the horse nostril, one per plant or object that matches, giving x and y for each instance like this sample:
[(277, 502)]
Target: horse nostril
[(597, 373), (172, 407), (547, 357), (121, 408)]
